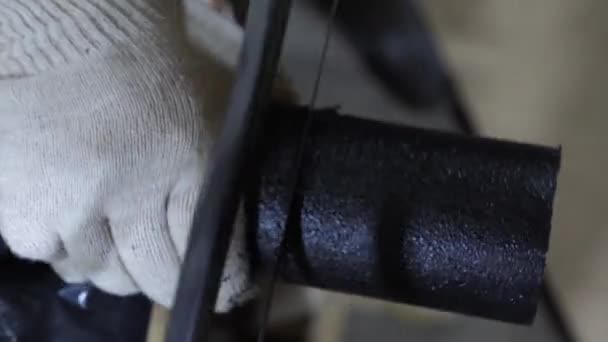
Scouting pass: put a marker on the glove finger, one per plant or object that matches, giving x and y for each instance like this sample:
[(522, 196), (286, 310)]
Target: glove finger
[(145, 247), (92, 255), (183, 200), (28, 234), (180, 212), (68, 271)]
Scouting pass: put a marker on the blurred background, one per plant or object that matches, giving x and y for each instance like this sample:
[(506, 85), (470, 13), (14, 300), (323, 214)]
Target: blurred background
[(529, 71)]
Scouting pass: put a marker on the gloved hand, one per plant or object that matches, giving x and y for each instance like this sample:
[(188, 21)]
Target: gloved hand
[(104, 141)]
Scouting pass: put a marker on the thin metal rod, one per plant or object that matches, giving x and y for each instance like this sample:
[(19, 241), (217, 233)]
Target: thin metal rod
[(267, 305), (320, 68)]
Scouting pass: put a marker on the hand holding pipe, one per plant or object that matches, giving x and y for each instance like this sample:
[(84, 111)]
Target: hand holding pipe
[(408, 215)]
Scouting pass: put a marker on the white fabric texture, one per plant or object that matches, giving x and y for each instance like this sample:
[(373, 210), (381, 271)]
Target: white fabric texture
[(107, 120)]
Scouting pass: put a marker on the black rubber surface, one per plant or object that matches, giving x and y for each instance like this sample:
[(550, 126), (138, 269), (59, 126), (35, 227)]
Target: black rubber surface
[(409, 215)]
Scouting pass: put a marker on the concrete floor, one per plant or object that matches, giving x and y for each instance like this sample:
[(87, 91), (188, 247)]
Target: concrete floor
[(348, 84)]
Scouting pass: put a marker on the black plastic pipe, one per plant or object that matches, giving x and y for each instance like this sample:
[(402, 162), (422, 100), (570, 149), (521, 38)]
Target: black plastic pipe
[(409, 215)]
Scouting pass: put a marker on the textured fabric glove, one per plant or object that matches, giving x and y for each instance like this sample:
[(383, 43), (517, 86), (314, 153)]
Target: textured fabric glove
[(105, 135)]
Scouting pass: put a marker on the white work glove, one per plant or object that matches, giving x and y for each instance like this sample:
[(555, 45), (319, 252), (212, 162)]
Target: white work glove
[(105, 136)]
